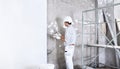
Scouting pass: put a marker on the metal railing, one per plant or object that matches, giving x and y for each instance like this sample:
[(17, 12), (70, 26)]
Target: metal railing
[(91, 56)]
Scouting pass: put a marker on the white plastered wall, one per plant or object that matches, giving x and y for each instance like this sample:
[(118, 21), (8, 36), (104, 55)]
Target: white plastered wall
[(22, 33)]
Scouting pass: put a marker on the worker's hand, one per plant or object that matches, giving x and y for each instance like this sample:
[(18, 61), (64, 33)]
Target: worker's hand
[(63, 38)]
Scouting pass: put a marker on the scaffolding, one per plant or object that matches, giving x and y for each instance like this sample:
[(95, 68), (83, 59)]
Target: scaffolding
[(95, 36)]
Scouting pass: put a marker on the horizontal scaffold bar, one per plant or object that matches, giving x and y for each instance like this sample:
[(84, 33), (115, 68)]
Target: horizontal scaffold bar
[(102, 46)]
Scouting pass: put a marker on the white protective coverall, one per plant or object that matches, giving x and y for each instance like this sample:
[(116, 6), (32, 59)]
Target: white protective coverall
[(70, 39)]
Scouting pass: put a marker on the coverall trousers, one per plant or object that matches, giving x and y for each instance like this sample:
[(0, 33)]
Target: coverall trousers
[(69, 51)]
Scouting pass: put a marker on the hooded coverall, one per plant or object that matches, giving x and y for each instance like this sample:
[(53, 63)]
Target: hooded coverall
[(70, 39)]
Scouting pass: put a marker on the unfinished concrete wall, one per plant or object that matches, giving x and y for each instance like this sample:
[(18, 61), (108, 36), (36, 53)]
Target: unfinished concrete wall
[(57, 10)]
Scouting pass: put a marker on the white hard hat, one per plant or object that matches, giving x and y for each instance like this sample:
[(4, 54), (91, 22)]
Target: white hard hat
[(68, 19)]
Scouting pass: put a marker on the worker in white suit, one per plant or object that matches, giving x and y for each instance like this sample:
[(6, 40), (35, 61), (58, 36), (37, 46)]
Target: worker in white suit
[(69, 41)]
